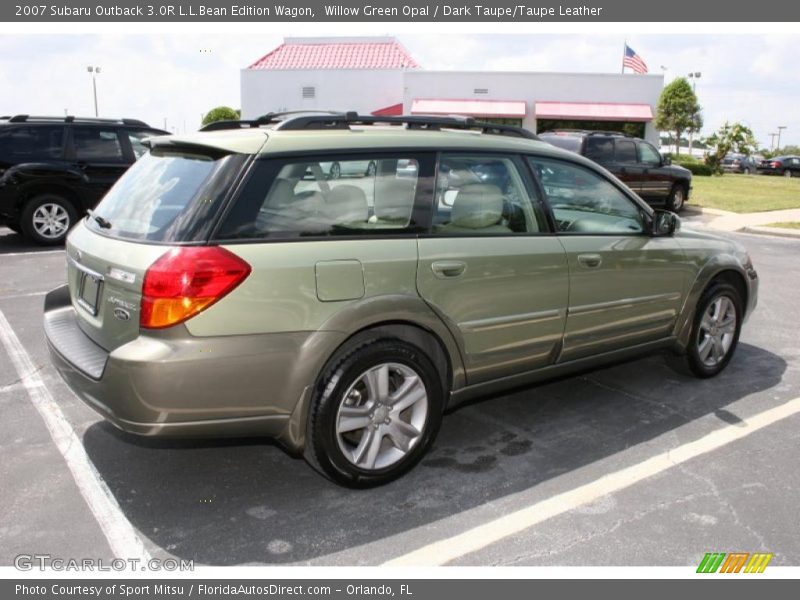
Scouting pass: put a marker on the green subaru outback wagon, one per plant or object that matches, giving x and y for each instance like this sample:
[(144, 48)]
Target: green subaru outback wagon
[(227, 285)]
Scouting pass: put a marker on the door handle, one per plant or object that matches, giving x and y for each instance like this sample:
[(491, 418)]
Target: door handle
[(448, 268), (590, 261)]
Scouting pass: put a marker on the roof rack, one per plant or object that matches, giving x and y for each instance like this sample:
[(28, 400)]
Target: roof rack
[(71, 119), (300, 120), (589, 132), (267, 119)]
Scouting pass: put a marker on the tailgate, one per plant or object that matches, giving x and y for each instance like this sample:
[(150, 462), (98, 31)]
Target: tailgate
[(105, 284)]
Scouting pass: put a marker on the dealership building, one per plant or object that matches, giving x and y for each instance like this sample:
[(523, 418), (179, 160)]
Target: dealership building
[(378, 76)]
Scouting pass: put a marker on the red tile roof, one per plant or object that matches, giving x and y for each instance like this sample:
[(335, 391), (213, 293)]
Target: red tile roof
[(395, 110), (388, 54)]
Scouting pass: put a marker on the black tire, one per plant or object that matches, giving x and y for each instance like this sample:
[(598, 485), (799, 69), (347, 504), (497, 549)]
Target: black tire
[(746, 171), (693, 360), (371, 169), (677, 198), (788, 173), (323, 445), (36, 231), (335, 171)]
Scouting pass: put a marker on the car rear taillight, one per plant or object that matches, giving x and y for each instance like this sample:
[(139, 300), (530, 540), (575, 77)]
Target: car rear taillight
[(186, 281), (776, 164)]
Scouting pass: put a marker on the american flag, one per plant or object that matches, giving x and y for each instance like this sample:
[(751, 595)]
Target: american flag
[(633, 61)]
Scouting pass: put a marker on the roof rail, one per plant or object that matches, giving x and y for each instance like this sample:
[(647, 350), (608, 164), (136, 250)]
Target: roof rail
[(435, 123), (267, 119), (588, 132), (303, 119), (71, 119)]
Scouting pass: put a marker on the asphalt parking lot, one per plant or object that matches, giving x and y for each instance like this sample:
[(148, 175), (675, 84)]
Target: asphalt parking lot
[(247, 502)]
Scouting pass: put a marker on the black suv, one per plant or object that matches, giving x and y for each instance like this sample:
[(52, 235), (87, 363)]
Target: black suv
[(633, 160), (53, 169)]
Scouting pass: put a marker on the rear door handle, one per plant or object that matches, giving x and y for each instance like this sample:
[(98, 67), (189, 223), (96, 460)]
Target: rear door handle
[(448, 268), (590, 261)]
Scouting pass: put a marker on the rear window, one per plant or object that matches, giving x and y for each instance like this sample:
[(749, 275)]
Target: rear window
[(567, 142), (600, 149), (168, 196)]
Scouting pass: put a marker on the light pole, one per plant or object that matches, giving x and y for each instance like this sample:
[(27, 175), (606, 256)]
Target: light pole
[(780, 128), (772, 141), (694, 76), (95, 71)]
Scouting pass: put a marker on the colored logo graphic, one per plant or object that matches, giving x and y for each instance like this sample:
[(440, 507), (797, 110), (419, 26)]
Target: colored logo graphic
[(734, 562)]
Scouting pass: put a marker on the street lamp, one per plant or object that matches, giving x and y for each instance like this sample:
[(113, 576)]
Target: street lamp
[(780, 128), (694, 76), (772, 141), (95, 71)]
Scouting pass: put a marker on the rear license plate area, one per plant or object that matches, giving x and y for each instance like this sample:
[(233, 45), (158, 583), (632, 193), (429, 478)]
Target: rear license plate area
[(89, 292)]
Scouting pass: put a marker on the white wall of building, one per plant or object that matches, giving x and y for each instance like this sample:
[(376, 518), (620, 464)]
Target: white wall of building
[(530, 87), (362, 90)]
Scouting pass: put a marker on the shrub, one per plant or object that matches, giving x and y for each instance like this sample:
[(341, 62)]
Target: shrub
[(221, 113)]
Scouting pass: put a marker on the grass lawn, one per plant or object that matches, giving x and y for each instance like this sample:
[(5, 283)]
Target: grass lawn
[(746, 193), (787, 225)]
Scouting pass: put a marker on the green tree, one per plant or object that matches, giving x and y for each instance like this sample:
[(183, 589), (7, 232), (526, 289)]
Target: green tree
[(731, 137), (221, 113), (678, 110)]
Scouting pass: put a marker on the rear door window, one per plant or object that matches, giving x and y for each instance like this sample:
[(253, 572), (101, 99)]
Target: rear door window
[(600, 149), (168, 196), (28, 143), (626, 152), (327, 196), (97, 145)]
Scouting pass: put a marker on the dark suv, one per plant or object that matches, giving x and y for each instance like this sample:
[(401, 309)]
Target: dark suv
[(53, 169), (633, 160)]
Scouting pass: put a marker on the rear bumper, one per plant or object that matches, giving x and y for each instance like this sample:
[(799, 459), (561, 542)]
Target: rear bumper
[(174, 384)]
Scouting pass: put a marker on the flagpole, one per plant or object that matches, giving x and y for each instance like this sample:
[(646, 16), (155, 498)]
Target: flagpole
[(624, 46)]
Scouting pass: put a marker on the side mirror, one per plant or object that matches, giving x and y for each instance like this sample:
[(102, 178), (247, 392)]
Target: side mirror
[(665, 223), (666, 161)]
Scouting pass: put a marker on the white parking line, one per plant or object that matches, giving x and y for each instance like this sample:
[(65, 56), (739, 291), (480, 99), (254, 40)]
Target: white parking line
[(30, 253), (472, 540), (121, 536)]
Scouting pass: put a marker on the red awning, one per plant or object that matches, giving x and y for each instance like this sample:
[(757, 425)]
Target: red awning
[(469, 107), (594, 111), (395, 110)]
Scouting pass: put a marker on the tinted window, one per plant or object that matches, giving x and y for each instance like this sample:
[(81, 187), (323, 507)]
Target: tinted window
[(168, 196), (93, 144), (626, 151), (484, 194), (585, 202), (25, 143), (290, 198), (136, 138), (600, 149), (567, 142), (650, 155)]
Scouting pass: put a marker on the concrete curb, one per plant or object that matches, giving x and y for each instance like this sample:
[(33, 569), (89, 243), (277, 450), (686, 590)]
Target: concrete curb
[(701, 210), (773, 231)]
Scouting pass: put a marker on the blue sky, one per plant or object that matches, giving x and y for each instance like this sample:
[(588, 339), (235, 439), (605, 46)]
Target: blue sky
[(749, 78)]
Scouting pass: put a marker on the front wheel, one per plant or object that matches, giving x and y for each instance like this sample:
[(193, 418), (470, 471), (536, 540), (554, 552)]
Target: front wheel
[(335, 171), (787, 173), (47, 219), (715, 332), (376, 412), (677, 198)]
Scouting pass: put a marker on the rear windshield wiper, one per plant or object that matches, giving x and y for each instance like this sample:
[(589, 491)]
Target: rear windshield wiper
[(104, 223)]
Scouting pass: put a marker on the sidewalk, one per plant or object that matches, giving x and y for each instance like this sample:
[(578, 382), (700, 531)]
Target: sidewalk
[(751, 222)]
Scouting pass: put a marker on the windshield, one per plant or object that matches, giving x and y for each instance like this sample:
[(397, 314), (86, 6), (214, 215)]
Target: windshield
[(167, 196)]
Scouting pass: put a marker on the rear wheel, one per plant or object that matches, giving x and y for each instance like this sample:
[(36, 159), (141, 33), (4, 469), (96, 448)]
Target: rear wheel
[(746, 171), (787, 173), (715, 332), (47, 219), (335, 171), (677, 198), (376, 413)]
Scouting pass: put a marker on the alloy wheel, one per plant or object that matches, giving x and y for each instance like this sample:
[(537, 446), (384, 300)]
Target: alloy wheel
[(50, 220), (382, 416), (717, 331)]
